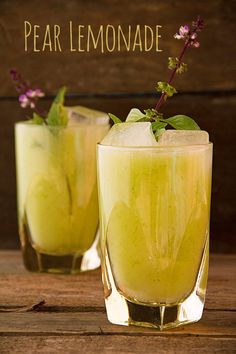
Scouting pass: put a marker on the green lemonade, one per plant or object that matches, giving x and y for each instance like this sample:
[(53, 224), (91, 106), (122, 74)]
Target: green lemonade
[(155, 206), (56, 183)]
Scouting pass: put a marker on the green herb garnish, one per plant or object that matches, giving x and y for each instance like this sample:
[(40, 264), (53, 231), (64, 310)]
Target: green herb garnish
[(29, 97), (57, 114), (158, 122)]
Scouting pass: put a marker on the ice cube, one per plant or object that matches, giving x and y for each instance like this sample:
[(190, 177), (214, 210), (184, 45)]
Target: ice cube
[(80, 114), (130, 134), (183, 137)]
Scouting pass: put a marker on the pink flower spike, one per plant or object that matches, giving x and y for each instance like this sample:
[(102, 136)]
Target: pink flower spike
[(24, 101), (24, 104), (177, 36), (23, 98), (32, 105), (194, 36), (39, 93), (30, 93), (183, 30), (196, 44)]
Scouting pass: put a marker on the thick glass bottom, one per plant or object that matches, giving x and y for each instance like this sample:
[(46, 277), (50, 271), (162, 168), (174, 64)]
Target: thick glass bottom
[(37, 261), (123, 310)]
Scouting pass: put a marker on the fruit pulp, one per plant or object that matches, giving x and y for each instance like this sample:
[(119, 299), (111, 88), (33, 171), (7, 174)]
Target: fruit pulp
[(154, 207), (56, 186)]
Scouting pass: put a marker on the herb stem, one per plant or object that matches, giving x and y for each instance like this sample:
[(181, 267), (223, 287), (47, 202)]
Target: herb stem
[(40, 112), (173, 72), (22, 87)]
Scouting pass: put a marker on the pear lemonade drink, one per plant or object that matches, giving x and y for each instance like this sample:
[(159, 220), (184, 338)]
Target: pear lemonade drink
[(154, 197), (56, 185), (154, 191)]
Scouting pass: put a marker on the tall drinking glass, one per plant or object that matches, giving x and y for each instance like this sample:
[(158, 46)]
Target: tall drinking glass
[(57, 195), (154, 215)]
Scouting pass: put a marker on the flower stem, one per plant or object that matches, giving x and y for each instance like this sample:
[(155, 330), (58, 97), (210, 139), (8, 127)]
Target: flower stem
[(180, 58), (22, 87), (172, 75)]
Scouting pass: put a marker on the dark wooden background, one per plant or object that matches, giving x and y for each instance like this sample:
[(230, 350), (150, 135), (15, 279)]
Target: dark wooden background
[(116, 82)]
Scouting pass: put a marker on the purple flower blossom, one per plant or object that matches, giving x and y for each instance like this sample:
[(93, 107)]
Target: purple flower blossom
[(21, 85), (30, 93), (183, 32), (28, 97), (39, 93), (24, 101), (177, 36), (189, 36), (198, 24), (34, 93), (196, 44)]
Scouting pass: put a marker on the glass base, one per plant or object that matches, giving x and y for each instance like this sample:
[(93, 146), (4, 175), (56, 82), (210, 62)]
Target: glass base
[(122, 310), (37, 261)]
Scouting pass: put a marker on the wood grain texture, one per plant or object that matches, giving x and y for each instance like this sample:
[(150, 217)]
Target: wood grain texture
[(71, 293), (75, 325), (211, 67), (213, 323), (213, 113), (115, 344)]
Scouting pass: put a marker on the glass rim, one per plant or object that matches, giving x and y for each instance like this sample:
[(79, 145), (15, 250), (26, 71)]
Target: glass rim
[(74, 125), (158, 147)]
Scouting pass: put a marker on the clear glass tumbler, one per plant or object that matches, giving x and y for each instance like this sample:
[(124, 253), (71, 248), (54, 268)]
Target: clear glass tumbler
[(57, 195), (154, 222)]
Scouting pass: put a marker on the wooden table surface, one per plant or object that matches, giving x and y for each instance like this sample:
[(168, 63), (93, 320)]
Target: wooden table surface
[(73, 318)]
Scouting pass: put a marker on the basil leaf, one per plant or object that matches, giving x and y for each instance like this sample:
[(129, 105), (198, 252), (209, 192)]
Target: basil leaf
[(114, 118), (158, 125), (158, 132), (60, 97), (37, 119), (182, 122), (57, 114), (135, 115)]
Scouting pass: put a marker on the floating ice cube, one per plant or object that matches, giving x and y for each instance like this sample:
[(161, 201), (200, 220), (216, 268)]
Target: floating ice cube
[(130, 134), (80, 114), (183, 137)]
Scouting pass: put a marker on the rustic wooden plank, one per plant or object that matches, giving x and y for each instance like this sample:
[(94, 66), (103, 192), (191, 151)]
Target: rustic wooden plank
[(86, 329), (118, 71), (213, 323), (60, 291), (115, 344), (83, 292), (214, 114)]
